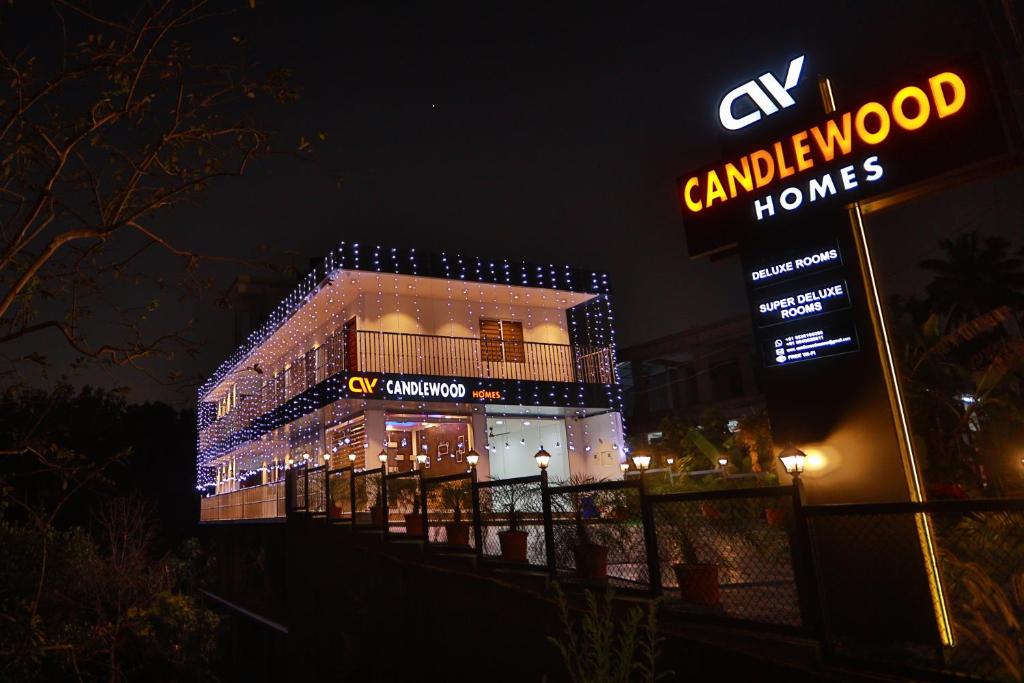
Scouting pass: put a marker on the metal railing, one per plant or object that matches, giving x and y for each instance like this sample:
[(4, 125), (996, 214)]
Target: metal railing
[(422, 354), (925, 589)]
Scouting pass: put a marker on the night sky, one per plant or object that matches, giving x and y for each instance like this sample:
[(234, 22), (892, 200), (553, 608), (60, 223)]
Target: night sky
[(551, 136)]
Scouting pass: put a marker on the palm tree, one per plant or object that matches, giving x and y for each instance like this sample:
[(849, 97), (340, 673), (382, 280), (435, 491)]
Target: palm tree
[(977, 275)]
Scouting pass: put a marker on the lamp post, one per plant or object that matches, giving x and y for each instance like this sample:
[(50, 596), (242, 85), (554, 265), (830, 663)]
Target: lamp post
[(792, 459), (624, 466), (352, 459), (472, 458), (383, 457), (642, 461), (543, 458), (421, 458), (723, 462)]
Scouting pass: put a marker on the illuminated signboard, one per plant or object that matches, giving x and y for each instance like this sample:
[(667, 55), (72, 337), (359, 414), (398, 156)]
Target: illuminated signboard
[(916, 129), (810, 343), (418, 387), (802, 303), (795, 264)]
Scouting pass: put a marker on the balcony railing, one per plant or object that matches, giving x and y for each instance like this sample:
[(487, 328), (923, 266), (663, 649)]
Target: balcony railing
[(422, 354), (255, 502)]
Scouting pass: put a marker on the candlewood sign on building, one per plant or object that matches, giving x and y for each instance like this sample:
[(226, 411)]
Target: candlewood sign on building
[(413, 354)]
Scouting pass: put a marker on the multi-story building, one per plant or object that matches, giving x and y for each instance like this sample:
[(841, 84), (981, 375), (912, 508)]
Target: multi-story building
[(711, 368), (412, 354)]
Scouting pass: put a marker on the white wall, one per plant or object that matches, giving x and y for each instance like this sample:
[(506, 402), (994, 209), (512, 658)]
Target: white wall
[(517, 460), (603, 435)]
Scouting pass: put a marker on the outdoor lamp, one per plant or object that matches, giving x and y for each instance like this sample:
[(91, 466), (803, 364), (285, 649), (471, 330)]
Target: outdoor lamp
[(641, 461), (383, 457), (793, 460), (669, 460), (543, 458), (421, 458), (472, 457), (722, 462), (352, 457), (305, 456), (327, 457), (624, 466)]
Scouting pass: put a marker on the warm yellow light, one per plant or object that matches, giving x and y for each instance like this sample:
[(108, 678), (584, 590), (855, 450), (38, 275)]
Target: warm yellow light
[(641, 461), (472, 457), (624, 466), (793, 460), (543, 458)]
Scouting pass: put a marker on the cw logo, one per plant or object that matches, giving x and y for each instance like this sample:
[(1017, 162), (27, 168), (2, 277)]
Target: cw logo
[(362, 385), (760, 98)]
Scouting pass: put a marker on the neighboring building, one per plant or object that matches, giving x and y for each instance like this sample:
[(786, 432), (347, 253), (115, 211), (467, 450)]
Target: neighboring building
[(707, 368), (411, 353), (251, 299)]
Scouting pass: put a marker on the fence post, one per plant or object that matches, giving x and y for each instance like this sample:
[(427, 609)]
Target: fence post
[(327, 490), (384, 511), (477, 529), (352, 495), (423, 506), (289, 491), (305, 477), (803, 566), (650, 539), (549, 531)]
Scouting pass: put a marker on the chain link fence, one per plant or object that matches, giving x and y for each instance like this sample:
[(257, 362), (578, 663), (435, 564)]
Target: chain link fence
[(512, 521), (598, 533), (449, 515), (728, 556)]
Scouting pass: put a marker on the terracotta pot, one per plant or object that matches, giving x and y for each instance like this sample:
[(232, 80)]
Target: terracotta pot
[(591, 562), (414, 524), (709, 511), (377, 516), (458, 533), (698, 584), (334, 511), (513, 545), (775, 516)]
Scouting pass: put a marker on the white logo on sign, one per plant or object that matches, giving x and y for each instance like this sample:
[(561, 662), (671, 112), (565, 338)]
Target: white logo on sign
[(760, 98)]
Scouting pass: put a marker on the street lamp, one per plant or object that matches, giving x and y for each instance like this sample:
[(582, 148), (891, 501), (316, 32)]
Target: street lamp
[(472, 457), (543, 458), (624, 466), (792, 459), (642, 461), (421, 458), (352, 458), (723, 462), (669, 460)]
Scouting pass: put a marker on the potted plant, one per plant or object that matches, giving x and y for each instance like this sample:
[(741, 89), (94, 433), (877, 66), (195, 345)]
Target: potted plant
[(591, 557), (513, 499), (414, 519), (453, 497), (375, 501), (698, 581)]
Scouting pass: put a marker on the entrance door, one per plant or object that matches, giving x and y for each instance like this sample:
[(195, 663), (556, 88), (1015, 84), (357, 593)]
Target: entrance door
[(348, 333)]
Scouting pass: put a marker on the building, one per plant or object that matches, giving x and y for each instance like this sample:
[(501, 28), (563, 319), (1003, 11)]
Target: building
[(689, 373), (412, 354)]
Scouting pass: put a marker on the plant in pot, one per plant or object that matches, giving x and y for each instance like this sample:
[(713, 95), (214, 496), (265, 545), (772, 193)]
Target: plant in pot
[(413, 520), (375, 502), (591, 557), (453, 497), (698, 581), (513, 500)]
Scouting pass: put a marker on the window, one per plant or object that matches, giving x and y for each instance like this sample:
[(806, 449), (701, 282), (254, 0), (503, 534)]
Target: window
[(501, 341)]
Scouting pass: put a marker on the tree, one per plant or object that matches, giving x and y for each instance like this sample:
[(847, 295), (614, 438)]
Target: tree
[(976, 275), (97, 146)]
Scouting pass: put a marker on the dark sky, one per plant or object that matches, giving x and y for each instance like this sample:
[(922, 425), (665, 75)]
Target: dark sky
[(555, 135)]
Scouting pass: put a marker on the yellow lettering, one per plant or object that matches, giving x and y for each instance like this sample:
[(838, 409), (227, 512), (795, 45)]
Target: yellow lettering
[(943, 106)]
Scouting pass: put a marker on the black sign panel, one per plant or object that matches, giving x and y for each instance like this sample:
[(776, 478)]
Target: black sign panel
[(785, 265), (912, 130)]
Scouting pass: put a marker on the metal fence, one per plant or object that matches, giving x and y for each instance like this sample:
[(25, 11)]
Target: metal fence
[(924, 589)]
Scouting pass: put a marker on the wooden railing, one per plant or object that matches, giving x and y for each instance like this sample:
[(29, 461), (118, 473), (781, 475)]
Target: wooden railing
[(255, 502)]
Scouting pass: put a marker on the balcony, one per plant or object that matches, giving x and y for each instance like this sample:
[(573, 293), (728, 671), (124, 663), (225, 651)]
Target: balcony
[(419, 354), (255, 502)]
